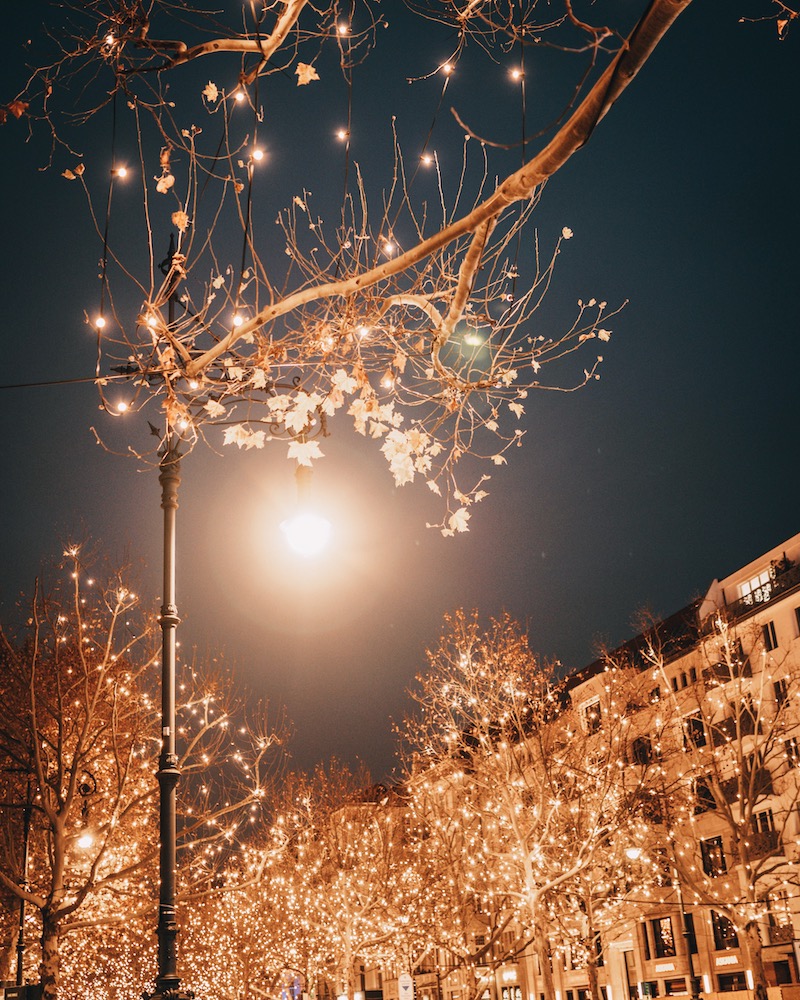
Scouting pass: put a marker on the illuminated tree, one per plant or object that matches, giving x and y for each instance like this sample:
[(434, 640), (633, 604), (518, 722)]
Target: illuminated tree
[(734, 752), (408, 303), (535, 782), (344, 846), (79, 740)]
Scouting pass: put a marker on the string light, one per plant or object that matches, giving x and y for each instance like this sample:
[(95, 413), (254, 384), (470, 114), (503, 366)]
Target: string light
[(342, 134), (258, 154), (100, 321)]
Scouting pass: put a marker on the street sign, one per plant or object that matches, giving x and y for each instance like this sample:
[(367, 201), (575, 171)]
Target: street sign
[(406, 986)]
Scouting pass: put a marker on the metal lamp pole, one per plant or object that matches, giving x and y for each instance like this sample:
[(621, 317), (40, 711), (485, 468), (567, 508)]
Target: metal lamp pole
[(168, 982)]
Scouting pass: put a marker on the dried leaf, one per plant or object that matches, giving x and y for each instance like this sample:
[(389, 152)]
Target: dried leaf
[(305, 74)]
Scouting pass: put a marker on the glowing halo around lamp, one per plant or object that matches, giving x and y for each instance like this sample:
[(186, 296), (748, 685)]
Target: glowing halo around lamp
[(307, 533)]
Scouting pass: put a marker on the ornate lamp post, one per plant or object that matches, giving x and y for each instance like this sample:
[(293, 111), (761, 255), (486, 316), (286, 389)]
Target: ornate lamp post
[(167, 984)]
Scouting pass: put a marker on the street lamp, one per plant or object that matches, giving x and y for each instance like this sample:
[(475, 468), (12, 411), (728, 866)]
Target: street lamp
[(167, 986), (307, 532)]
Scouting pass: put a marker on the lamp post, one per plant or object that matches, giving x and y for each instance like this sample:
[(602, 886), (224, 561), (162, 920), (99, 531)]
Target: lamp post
[(168, 983), (167, 986)]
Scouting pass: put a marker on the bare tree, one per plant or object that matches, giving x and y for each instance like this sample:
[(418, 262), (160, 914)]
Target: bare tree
[(734, 750), (408, 306), (79, 741), (535, 781)]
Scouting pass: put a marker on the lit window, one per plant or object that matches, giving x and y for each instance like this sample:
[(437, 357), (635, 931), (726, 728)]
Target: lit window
[(713, 856), (591, 715), (756, 590), (770, 638)]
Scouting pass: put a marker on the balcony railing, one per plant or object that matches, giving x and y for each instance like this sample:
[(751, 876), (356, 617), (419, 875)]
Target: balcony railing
[(783, 581)]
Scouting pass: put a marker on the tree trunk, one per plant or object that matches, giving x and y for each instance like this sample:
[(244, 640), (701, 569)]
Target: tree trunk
[(543, 953), (753, 947), (50, 967)]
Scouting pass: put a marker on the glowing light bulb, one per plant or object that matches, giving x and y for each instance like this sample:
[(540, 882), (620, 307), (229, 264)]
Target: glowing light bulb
[(389, 247), (86, 840), (100, 322), (238, 320), (342, 28), (342, 134), (121, 172), (427, 159), (447, 69), (388, 379), (122, 406), (239, 96), (516, 74), (110, 40), (194, 384), (363, 331), (307, 533)]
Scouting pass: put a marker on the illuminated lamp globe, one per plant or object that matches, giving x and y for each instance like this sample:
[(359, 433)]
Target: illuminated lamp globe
[(307, 533), (86, 840)]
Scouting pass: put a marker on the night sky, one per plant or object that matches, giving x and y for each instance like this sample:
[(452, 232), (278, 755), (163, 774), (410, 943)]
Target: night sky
[(679, 465)]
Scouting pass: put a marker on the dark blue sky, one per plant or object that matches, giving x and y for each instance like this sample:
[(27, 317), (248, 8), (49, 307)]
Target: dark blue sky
[(677, 466)]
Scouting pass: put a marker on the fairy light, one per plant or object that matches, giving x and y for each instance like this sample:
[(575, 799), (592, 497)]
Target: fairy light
[(100, 321), (389, 247), (516, 73), (258, 154), (238, 319), (426, 159), (342, 134), (342, 28), (122, 406), (239, 96), (120, 172), (447, 69)]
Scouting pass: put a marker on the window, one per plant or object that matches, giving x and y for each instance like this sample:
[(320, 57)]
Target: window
[(757, 589), (693, 674), (797, 619), (769, 636), (731, 981), (724, 932), (598, 950), (592, 716), (764, 821), (694, 731), (655, 694), (703, 796), (645, 941), (713, 856), (792, 751), (674, 987), (674, 683), (663, 937), (690, 936), (780, 689), (641, 750), (650, 989)]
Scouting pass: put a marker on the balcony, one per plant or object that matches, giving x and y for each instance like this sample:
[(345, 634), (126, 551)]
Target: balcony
[(781, 934), (761, 845), (786, 577)]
